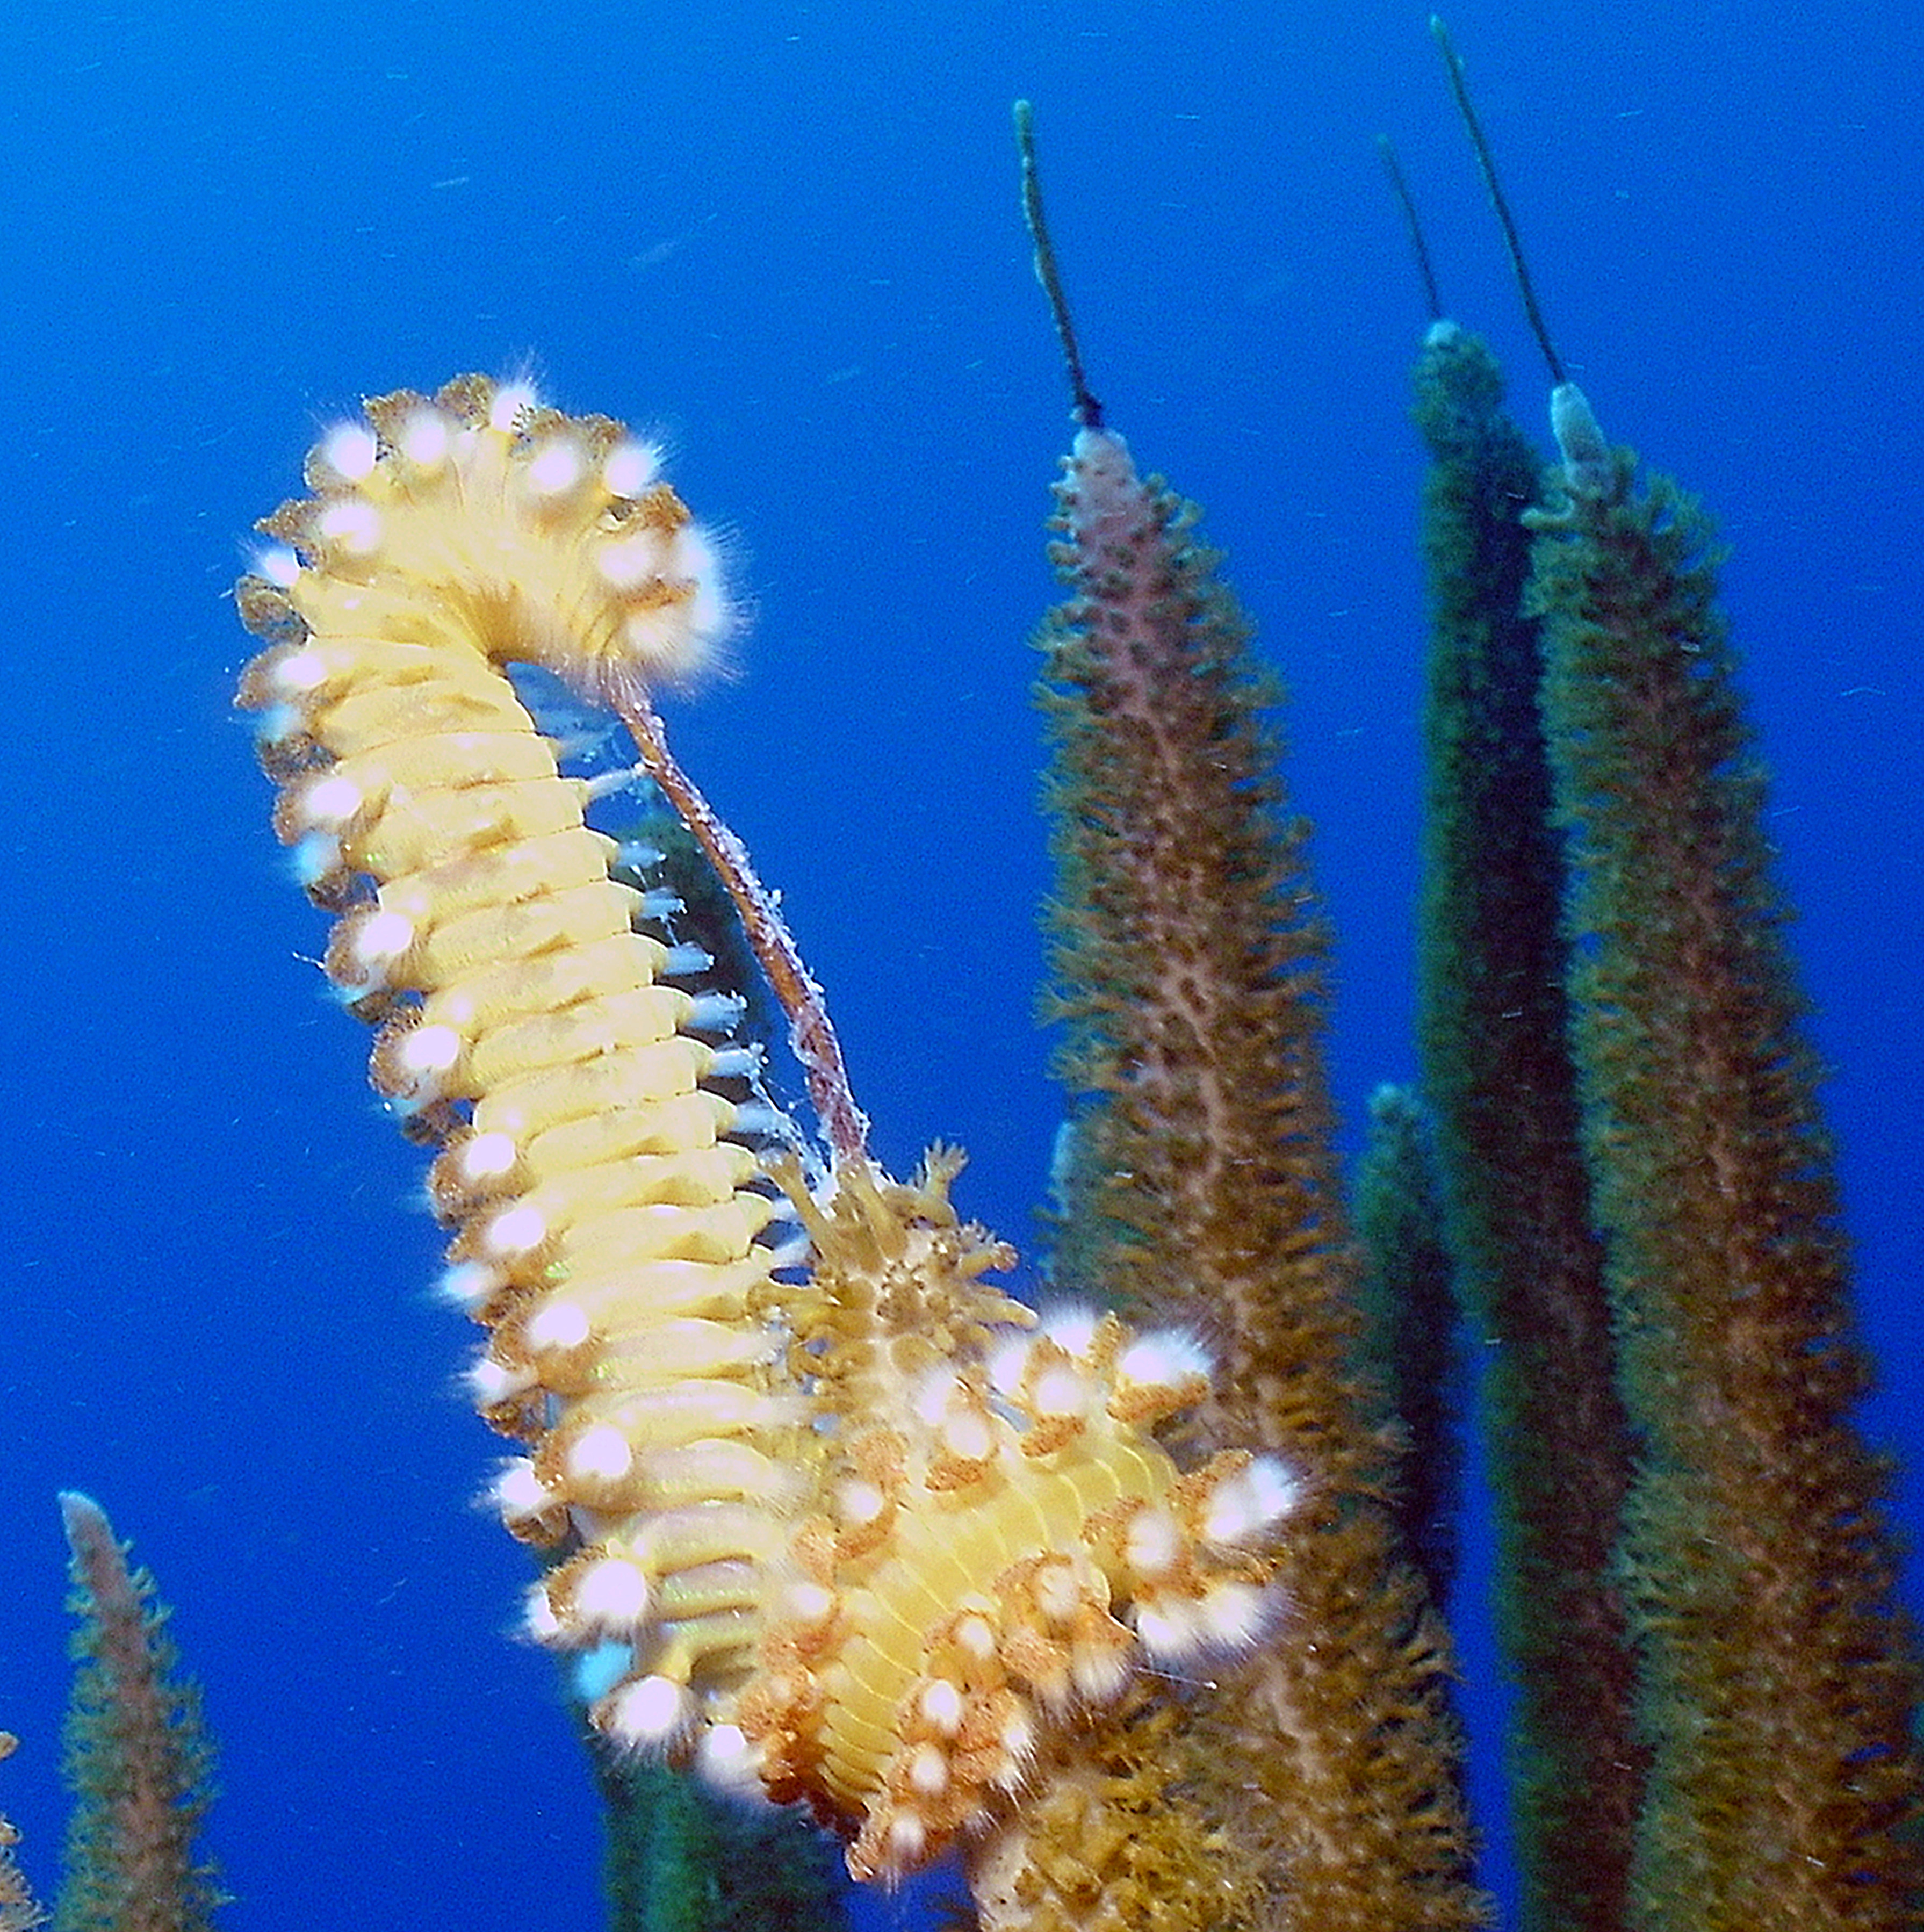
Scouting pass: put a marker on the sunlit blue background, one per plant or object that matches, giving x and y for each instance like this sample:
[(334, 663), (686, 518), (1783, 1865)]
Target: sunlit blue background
[(786, 236)]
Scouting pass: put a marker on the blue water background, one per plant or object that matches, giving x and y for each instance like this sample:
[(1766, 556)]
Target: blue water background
[(786, 236)]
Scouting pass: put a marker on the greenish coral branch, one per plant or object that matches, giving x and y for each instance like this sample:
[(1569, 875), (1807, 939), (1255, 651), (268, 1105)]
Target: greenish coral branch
[(138, 1761), (1493, 1020), (1779, 1677), (1200, 1188)]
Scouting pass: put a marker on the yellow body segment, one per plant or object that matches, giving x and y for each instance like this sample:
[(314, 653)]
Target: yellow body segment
[(528, 998)]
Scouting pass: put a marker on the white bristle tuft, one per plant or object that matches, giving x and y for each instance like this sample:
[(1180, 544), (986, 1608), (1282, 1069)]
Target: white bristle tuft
[(613, 1595), (468, 1284), (1008, 1364), (1250, 1500), (1169, 1629), (907, 1836), (300, 673), (1057, 1591), (601, 1452), (487, 1156), (352, 524), (555, 468), (968, 1435), (331, 800), (630, 467), (1166, 1360), (351, 450), (1232, 1614), (490, 1382), (1073, 1329), (280, 566), (1153, 1544), (538, 1617), (430, 1050), (518, 1491), (860, 1503), (724, 1755), (1061, 1390), (518, 1230), (1100, 1676), (560, 1324), (933, 1395), (425, 438), (929, 1770), (630, 560), (382, 938), (941, 1706), (650, 1711), (512, 403)]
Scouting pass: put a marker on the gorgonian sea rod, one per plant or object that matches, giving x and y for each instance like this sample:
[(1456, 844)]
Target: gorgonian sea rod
[(825, 1511)]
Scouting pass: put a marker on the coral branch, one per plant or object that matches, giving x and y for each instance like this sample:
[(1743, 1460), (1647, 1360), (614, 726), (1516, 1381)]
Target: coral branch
[(137, 1760), (1494, 1025), (1200, 1186), (1410, 1333), (1779, 1682), (19, 1912)]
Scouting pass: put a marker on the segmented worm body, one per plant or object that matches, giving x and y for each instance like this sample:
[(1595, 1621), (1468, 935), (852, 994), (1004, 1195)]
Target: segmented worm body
[(829, 1514)]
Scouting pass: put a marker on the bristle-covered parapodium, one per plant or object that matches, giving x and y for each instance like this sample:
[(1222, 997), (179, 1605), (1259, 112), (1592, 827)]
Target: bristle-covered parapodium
[(555, 534)]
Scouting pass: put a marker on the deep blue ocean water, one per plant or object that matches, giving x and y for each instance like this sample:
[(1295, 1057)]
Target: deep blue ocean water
[(787, 237)]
